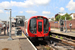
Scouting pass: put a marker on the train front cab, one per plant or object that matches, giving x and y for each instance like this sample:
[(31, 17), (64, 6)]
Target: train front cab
[(39, 27)]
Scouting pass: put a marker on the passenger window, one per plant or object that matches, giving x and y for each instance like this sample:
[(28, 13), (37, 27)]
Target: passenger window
[(46, 25), (32, 25)]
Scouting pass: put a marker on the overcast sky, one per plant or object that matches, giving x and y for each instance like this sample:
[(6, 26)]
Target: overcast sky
[(30, 8)]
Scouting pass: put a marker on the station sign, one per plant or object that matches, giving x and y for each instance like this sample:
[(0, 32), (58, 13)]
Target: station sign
[(55, 22)]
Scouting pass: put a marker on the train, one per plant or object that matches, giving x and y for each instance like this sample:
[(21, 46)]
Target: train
[(38, 27)]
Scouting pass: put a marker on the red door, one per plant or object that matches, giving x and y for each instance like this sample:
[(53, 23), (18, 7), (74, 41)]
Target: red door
[(40, 28)]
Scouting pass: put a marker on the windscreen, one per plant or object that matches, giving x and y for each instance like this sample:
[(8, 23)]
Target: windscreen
[(32, 25), (46, 25), (39, 26)]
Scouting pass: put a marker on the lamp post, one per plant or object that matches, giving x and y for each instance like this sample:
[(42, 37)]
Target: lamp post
[(9, 25)]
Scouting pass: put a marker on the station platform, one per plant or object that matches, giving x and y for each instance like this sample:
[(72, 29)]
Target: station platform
[(18, 42), (68, 33)]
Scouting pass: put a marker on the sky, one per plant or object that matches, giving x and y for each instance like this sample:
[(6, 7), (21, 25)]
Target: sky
[(29, 8)]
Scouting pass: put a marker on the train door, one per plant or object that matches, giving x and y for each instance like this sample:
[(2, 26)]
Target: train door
[(40, 28)]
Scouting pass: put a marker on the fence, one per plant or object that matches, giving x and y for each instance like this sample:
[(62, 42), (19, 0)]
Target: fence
[(57, 25)]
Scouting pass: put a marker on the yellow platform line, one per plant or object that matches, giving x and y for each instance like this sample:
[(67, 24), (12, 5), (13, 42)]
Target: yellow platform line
[(22, 34)]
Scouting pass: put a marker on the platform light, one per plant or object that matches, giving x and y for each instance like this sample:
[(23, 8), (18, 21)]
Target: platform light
[(9, 24)]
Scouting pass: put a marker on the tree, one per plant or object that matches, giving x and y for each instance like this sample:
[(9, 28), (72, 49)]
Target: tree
[(63, 17), (68, 17), (52, 19), (57, 18)]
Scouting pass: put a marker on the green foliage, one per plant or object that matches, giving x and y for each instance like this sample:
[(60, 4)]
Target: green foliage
[(56, 36), (52, 19), (68, 17), (48, 48), (57, 18), (61, 37), (63, 17), (50, 36)]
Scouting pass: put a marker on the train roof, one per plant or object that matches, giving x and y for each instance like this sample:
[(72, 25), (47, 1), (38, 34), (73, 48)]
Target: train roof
[(38, 16)]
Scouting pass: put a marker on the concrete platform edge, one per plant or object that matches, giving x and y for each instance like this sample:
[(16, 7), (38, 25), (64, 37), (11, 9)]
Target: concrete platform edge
[(30, 42)]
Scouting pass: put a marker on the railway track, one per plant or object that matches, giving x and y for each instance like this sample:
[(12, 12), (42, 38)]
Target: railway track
[(42, 45), (55, 42), (62, 41)]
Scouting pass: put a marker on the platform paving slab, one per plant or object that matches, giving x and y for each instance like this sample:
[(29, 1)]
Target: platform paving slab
[(25, 45), (18, 42), (72, 33), (11, 45)]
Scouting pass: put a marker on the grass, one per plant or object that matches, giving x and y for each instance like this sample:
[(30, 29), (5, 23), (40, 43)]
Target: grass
[(61, 37), (48, 48), (50, 35), (56, 36)]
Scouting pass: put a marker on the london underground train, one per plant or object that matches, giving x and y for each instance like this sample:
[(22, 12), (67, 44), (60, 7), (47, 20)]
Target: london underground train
[(38, 27)]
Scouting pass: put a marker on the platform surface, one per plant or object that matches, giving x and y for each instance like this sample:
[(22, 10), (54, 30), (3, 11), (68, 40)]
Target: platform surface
[(72, 33), (18, 42)]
